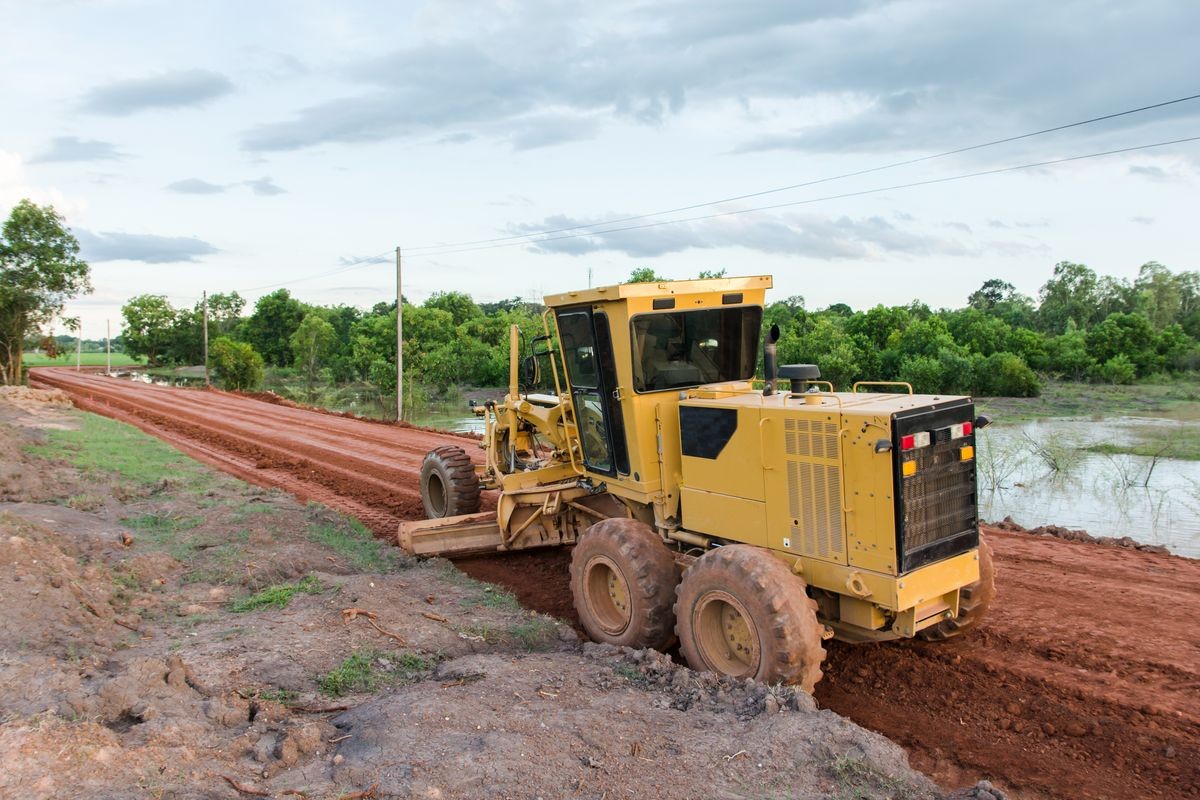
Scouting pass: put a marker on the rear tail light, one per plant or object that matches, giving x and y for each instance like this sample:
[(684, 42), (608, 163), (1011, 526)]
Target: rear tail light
[(914, 440), (961, 430)]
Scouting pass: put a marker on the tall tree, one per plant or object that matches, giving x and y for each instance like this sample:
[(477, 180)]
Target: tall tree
[(149, 324), (1072, 294), (312, 343), (269, 329), (40, 270)]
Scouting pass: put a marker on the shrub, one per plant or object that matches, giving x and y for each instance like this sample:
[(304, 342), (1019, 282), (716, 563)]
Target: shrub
[(237, 365), (1118, 369), (1006, 375)]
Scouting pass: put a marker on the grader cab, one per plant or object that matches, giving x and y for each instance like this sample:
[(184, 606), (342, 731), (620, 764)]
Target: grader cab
[(749, 524)]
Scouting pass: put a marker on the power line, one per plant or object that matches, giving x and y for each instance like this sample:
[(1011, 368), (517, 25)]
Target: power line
[(805, 184), (792, 203)]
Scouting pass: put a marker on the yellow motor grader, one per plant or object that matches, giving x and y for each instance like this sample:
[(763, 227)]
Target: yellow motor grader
[(749, 524)]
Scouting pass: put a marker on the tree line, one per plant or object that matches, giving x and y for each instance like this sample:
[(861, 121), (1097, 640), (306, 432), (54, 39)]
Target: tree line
[(1083, 326)]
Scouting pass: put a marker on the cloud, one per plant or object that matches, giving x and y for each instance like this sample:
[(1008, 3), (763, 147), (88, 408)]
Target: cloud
[(883, 74), (152, 249), (348, 261), (176, 89), (1142, 220), (804, 235), (264, 187), (195, 186), (72, 148), (1151, 172)]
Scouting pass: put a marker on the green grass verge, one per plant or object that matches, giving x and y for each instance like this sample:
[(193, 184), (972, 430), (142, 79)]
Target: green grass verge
[(368, 670), (350, 539), (86, 359), (1178, 400), (277, 596), (100, 444)]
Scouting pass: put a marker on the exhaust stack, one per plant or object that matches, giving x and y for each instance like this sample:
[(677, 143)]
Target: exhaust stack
[(770, 362)]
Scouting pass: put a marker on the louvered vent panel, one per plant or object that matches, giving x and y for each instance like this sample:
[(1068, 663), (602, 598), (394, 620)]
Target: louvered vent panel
[(815, 501)]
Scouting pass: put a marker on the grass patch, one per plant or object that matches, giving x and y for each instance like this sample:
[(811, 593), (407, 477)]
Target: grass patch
[(103, 445), (353, 542), (67, 359), (1183, 443), (278, 596), (534, 633), (490, 596), (858, 780), (1178, 400), (368, 670), (279, 695), (166, 532)]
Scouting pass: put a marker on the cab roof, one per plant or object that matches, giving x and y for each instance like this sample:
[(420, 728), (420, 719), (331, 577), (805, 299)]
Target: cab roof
[(622, 291)]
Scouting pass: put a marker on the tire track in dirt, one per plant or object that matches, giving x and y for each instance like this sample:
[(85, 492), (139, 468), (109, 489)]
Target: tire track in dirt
[(1083, 682)]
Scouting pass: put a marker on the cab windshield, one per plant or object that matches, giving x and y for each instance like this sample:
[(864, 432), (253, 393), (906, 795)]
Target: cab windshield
[(682, 349)]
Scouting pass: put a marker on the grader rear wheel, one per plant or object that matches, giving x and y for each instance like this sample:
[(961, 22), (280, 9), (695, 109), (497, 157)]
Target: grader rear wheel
[(623, 582), (449, 485), (973, 602), (741, 612)]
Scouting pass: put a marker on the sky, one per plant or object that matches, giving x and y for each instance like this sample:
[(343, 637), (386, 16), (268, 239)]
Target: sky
[(243, 146)]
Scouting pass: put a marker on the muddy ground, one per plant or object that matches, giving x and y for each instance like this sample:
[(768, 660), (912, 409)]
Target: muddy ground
[(173, 632), (1083, 682)]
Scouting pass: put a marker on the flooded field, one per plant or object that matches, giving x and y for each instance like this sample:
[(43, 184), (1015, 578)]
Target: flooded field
[(1066, 472)]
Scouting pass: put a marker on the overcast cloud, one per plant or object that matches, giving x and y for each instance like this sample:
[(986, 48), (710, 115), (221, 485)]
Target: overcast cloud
[(175, 89), (151, 249), (72, 148), (283, 136)]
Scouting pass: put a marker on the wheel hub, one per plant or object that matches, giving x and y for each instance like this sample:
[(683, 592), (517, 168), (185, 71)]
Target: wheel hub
[(727, 638), (608, 596)]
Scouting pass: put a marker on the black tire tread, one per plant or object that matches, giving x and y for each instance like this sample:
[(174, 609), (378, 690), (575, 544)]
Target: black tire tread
[(454, 466), (787, 616)]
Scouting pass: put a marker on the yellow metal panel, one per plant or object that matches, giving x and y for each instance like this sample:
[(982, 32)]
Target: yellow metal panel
[(870, 507), (726, 516), (897, 594), (737, 470), (803, 477), (859, 612)]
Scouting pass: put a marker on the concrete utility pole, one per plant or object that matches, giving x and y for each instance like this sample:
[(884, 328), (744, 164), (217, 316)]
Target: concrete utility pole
[(107, 347), (204, 302), (399, 342), (78, 346)]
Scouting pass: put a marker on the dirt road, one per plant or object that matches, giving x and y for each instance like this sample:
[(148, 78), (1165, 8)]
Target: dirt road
[(1084, 682)]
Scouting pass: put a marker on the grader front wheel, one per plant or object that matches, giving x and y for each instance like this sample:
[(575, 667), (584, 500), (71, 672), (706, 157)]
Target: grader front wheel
[(742, 612), (623, 581), (449, 485)]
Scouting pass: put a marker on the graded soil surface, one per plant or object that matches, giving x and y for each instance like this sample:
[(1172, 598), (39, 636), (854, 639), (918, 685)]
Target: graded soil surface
[(1083, 682)]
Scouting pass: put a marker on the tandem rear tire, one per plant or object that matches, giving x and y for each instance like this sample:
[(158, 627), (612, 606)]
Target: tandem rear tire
[(741, 612), (449, 485), (974, 600), (623, 583)]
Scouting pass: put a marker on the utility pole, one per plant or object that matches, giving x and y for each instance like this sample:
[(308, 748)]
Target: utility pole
[(107, 347), (78, 346), (204, 302), (399, 342)]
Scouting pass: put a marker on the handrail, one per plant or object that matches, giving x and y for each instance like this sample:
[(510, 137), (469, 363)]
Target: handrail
[(567, 428), (905, 384)]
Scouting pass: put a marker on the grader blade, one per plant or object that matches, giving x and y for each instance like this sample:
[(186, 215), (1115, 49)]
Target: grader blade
[(467, 534)]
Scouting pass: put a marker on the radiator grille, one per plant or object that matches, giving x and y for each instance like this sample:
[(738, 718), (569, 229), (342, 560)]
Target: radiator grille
[(938, 503), (814, 487)]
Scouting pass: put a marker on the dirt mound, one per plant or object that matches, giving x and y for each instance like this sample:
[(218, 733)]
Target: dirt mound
[(489, 726), (1073, 535), (29, 399)]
